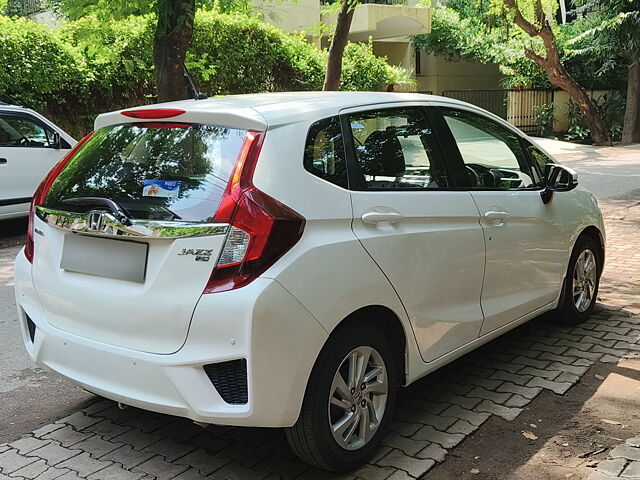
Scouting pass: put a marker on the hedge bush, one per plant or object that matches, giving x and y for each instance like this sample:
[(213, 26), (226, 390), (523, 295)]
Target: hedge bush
[(88, 66)]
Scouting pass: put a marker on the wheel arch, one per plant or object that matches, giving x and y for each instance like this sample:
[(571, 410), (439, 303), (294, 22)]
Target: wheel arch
[(596, 235), (389, 324)]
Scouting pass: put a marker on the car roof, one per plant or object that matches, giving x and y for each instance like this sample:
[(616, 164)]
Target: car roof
[(260, 110)]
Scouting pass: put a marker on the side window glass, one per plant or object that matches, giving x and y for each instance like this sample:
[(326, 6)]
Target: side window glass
[(396, 150), (324, 151), (493, 155), (20, 131), (539, 157)]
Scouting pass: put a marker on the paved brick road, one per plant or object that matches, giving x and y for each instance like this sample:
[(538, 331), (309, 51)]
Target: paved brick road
[(433, 415)]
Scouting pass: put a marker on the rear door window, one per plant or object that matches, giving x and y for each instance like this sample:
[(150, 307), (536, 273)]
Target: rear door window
[(156, 171)]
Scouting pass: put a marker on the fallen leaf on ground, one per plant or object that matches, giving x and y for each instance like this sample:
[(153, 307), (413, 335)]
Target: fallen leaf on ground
[(611, 422), (565, 444), (529, 435), (533, 425), (599, 377), (474, 471)]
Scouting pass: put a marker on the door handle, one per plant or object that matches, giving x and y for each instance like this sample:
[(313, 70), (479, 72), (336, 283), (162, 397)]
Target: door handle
[(3, 160), (373, 218), (496, 218)]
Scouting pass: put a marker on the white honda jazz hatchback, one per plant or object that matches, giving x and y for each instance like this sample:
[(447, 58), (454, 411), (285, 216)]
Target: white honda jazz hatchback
[(289, 260)]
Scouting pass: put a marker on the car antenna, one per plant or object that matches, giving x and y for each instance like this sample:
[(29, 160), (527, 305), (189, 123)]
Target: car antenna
[(197, 94)]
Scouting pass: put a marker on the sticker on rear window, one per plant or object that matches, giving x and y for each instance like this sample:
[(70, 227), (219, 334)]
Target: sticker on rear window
[(161, 188)]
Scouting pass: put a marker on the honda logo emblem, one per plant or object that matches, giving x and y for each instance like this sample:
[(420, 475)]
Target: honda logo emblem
[(95, 221)]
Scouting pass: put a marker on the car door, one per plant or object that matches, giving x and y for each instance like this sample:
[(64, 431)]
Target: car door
[(27, 153), (525, 239), (424, 236)]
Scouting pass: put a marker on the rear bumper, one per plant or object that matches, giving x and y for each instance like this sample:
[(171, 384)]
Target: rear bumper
[(261, 323)]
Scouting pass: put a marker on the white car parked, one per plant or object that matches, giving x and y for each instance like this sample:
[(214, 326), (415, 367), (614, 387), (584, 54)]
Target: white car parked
[(289, 260), (30, 146)]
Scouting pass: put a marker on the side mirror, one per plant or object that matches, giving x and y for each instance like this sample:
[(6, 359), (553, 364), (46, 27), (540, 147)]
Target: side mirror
[(558, 178), (56, 141)]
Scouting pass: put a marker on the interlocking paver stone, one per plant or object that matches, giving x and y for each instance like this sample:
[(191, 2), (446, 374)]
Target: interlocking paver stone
[(625, 451), (115, 472), (413, 466), (84, 464), (508, 413), (517, 401), (372, 472), (27, 444), (632, 470), (205, 462), (462, 426), (191, 474), (42, 431), (54, 453), (67, 436), (530, 362), (169, 449), (107, 429), (555, 387), (33, 470), (527, 392), (78, 420), (403, 428), (160, 469), (434, 452), (511, 377), (235, 471), (476, 418), (407, 445), (137, 439), (496, 397), (96, 446), (11, 460), (128, 457), (430, 434), (441, 422), (612, 467)]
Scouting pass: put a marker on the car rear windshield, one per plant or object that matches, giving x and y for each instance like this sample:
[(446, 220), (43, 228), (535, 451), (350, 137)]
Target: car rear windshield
[(156, 171)]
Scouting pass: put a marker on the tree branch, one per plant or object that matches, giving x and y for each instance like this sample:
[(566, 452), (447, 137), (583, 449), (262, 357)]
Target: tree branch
[(522, 22)]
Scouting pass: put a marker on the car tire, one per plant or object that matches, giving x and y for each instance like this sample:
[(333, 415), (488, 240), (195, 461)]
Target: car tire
[(331, 432), (580, 288)]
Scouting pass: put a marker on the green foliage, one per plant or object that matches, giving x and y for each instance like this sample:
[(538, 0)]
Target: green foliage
[(36, 68), (462, 30), (610, 108), (544, 117), (98, 64)]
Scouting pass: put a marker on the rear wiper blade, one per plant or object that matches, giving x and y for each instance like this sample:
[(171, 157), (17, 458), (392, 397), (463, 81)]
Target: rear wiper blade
[(121, 214)]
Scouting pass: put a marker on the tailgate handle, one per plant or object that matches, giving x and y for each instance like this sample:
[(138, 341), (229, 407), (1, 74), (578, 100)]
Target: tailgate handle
[(3, 160), (373, 218)]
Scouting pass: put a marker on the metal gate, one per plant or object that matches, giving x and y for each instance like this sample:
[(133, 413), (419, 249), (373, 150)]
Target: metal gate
[(515, 106)]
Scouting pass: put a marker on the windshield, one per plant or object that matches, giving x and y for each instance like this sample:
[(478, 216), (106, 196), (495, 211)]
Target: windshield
[(156, 171)]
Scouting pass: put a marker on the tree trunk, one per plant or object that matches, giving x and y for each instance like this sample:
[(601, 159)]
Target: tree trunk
[(631, 127), (590, 116), (171, 41), (557, 74), (338, 43)]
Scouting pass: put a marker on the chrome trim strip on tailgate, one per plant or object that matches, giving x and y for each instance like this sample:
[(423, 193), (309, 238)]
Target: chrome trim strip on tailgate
[(102, 223)]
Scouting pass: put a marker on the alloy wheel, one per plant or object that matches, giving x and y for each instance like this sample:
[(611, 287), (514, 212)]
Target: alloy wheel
[(584, 280), (358, 398)]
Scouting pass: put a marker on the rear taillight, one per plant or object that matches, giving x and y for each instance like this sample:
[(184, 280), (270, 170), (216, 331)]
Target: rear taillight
[(261, 229), (42, 191)]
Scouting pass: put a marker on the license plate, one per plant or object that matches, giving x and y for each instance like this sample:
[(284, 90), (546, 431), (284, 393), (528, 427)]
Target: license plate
[(104, 257)]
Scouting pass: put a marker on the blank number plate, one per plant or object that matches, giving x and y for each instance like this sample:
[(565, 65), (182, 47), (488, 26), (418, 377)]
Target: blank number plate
[(116, 259)]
